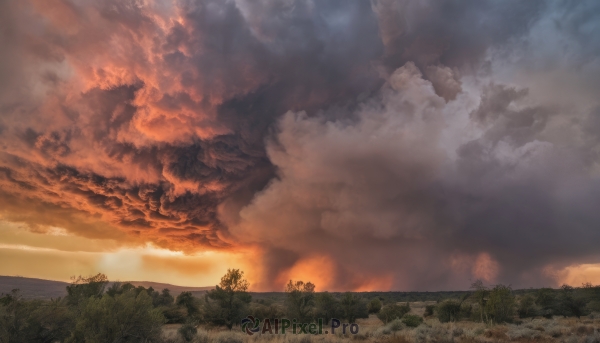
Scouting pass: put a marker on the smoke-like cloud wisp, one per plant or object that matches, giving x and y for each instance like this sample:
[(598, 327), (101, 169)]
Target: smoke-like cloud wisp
[(365, 145)]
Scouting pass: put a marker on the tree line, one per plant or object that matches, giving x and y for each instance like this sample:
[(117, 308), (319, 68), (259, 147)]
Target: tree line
[(96, 311)]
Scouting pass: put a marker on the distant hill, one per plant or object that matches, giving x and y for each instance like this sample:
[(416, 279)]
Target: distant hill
[(44, 289), (33, 288)]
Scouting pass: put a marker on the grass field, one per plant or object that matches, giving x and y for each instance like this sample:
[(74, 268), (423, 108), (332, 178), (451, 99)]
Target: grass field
[(559, 330)]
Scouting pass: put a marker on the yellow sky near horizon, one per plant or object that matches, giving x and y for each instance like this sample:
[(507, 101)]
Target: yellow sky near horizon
[(58, 255)]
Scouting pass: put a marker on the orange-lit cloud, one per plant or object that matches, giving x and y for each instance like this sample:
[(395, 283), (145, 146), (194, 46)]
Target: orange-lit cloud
[(575, 275), (57, 255), (361, 145)]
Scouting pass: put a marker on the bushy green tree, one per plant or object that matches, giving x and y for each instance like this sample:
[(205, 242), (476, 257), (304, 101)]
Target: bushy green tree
[(126, 317), (82, 288), (390, 312), (429, 310), (412, 320), (327, 307), (175, 314), (189, 302), (527, 307), (592, 295), (188, 331), (501, 304), (265, 311), (570, 305), (33, 320), (300, 301), (230, 297), (374, 305), (448, 311), (353, 307), (164, 299), (547, 302)]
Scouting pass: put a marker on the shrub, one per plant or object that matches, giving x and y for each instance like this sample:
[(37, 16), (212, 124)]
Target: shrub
[(392, 311), (175, 314), (435, 333), (381, 331), (448, 311), (527, 307), (124, 317), (466, 311), (394, 326), (188, 332), (412, 320), (429, 310), (374, 305)]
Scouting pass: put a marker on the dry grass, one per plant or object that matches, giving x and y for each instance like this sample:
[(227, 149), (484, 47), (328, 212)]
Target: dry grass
[(557, 330), (418, 307)]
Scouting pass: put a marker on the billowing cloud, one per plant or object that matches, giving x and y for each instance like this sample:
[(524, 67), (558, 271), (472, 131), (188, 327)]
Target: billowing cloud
[(145, 117), (431, 192), (372, 145)]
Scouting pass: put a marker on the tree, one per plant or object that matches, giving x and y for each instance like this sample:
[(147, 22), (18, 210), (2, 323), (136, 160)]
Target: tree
[(300, 300), (501, 304), (392, 311), (164, 299), (126, 317), (429, 309), (374, 305), (265, 311), (231, 297), (448, 311), (546, 300), (188, 331), (33, 320), (412, 320), (527, 306), (327, 307), (592, 295), (481, 294), (187, 300), (569, 304), (353, 307), (82, 288)]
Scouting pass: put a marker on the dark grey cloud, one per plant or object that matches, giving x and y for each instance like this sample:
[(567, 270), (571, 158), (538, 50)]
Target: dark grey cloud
[(165, 122)]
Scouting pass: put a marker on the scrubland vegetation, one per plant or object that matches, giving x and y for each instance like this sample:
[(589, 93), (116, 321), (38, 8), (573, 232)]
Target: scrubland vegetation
[(96, 311)]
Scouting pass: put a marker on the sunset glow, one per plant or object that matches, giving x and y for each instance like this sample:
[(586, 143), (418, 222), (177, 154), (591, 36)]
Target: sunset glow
[(360, 145)]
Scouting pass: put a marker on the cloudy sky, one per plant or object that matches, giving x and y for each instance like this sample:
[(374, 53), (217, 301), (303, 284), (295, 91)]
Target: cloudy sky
[(360, 145)]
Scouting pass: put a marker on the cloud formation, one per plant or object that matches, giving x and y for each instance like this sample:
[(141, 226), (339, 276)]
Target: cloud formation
[(393, 144)]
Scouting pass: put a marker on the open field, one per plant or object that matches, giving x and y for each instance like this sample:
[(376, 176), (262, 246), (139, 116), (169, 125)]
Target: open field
[(97, 310), (568, 330)]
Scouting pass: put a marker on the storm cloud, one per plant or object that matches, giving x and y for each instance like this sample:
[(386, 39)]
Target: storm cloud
[(366, 145)]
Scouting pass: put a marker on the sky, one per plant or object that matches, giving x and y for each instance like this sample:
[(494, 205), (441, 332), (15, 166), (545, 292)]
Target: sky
[(360, 145)]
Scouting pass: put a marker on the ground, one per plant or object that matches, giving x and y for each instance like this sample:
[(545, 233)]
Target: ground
[(559, 330)]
